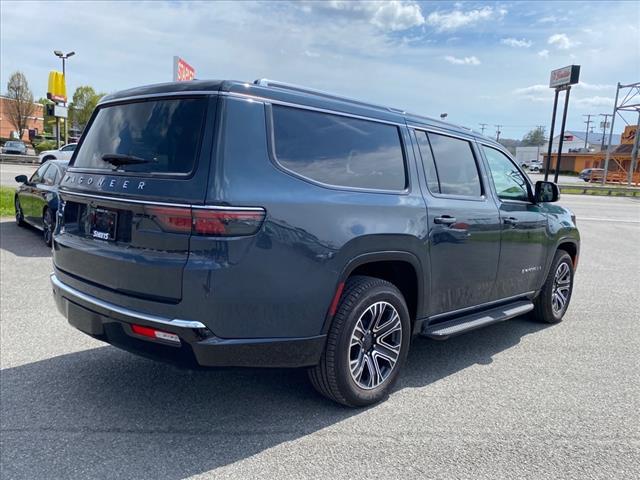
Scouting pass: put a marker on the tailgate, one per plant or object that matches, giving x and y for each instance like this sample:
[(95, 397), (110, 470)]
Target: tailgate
[(135, 160)]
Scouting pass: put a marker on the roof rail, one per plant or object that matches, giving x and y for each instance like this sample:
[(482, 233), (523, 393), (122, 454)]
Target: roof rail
[(265, 82)]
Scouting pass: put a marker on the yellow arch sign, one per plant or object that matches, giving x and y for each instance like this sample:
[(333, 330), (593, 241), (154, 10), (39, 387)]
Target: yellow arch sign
[(57, 88)]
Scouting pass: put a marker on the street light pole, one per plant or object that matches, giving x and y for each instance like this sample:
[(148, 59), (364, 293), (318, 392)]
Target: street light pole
[(63, 57)]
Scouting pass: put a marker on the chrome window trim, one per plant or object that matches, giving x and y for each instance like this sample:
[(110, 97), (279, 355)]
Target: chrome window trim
[(131, 315), (65, 193)]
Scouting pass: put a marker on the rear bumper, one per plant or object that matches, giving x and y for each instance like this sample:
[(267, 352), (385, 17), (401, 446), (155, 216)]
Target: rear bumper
[(198, 346)]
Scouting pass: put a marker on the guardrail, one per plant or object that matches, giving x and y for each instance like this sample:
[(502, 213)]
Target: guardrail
[(10, 158), (607, 190)]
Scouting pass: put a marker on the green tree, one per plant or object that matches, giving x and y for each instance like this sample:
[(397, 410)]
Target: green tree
[(83, 103), (534, 138), (21, 106)]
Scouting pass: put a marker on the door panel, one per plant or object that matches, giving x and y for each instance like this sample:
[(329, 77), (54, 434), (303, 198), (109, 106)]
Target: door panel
[(464, 227), (524, 228)]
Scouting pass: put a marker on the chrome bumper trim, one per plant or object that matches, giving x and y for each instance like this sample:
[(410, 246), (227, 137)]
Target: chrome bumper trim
[(125, 312)]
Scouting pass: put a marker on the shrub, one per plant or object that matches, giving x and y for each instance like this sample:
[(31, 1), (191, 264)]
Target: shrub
[(46, 145)]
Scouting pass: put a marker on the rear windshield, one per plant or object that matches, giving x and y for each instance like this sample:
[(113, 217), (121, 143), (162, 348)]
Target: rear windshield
[(159, 136)]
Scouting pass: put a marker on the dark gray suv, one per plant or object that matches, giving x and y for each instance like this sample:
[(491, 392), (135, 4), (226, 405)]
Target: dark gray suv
[(222, 223)]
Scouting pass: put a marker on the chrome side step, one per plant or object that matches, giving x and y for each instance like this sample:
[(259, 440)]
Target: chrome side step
[(444, 330)]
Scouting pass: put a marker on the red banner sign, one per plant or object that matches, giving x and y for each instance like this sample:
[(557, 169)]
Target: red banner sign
[(182, 71)]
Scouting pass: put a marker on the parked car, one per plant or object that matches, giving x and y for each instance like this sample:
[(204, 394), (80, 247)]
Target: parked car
[(36, 199), (591, 174), (534, 166), (220, 223), (63, 153), (14, 147)]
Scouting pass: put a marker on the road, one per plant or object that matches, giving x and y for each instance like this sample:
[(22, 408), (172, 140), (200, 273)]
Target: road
[(8, 172), (515, 400)]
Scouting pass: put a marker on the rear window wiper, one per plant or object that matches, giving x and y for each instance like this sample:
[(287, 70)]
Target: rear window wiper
[(117, 159)]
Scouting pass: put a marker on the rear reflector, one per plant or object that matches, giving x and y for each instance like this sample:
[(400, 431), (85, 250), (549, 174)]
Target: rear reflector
[(208, 221), (153, 333)]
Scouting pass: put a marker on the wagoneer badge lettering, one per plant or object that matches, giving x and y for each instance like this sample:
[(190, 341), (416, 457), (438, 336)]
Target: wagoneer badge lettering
[(112, 183)]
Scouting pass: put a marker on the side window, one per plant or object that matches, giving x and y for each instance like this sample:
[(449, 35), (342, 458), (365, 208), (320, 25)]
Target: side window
[(68, 148), (456, 166), (337, 150), (509, 182), (39, 174), (427, 161), (50, 176)]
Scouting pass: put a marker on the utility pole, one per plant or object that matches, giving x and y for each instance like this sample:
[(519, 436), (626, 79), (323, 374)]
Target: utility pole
[(498, 132), (483, 126), (604, 128), (540, 128), (588, 122)]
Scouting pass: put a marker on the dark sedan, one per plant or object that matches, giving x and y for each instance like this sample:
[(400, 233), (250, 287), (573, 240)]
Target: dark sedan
[(36, 199)]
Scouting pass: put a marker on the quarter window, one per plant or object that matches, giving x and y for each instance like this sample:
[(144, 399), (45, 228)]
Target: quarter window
[(338, 150), (456, 166), (427, 161), (510, 184)]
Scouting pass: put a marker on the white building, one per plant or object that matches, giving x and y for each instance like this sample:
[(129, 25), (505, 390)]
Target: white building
[(575, 141)]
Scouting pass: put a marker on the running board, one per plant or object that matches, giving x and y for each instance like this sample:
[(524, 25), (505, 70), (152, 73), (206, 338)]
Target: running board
[(442, 331)]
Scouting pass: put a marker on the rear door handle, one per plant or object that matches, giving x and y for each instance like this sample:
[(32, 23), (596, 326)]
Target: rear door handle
[(444, 220), (510, 221)]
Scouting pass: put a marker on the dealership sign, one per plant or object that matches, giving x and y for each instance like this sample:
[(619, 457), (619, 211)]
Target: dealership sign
[(182, 71), (565, 76)]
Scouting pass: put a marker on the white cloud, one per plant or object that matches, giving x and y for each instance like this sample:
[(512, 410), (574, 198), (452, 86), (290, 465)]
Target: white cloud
[(458, 18), (595, 101), (533, 89), (543, 53), (514, 42), (594, 87), (387, 15), (462, 61), (562, 41), (548, 19)]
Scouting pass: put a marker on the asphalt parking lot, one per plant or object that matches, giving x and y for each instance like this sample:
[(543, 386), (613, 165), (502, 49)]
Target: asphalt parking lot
[(515, 400)]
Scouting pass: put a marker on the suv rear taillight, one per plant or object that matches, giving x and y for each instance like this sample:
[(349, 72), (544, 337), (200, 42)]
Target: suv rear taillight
[(213, 221)]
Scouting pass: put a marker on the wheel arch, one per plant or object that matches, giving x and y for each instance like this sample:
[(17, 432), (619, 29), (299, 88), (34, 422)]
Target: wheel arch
[(401, 268)]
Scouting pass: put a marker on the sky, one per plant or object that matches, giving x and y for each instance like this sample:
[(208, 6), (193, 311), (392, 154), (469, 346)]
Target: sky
[(479, 62)]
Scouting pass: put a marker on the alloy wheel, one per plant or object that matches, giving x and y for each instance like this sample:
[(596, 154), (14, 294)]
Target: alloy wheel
[(561, 289), (47, 225), (375, 345)]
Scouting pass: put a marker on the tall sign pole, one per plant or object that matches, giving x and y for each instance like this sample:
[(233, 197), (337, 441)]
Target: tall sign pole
[(561, 79), (564, 122), (547, 165)]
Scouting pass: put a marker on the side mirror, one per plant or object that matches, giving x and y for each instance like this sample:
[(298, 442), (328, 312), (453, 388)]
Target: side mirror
[(546, 192), (22, 179)]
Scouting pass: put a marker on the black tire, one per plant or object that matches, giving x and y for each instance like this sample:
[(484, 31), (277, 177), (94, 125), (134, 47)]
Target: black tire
[(332, 377), (19, 213), (48, 224), (545, 307)]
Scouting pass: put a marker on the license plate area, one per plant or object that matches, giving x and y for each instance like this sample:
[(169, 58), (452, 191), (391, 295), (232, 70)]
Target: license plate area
[(104, 224)]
